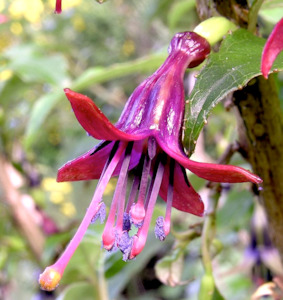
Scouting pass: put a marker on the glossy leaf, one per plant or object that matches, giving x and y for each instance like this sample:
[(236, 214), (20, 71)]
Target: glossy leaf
[(230, 69)]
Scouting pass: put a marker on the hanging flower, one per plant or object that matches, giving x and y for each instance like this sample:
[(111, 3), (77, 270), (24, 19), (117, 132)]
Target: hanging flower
[(272, 48), (147, 140), (58, 7)]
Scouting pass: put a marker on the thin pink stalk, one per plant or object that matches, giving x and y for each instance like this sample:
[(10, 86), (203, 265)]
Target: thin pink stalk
[(59, 267)]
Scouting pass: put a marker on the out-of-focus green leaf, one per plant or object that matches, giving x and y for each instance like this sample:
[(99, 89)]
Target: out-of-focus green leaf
[(207, 287), (236, 63), (169, 268), (84, 262), (179, 9), (39, 113), (79, 290), (33, 65), (236, 212), (100, 75), (46, 103), (217, 295), (272, 10)]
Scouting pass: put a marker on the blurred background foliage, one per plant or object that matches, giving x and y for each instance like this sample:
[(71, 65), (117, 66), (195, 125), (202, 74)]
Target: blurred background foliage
[(104, 51)]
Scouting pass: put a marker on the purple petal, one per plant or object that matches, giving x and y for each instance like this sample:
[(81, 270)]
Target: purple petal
[(156, 107), (272, 48), (185, 198)]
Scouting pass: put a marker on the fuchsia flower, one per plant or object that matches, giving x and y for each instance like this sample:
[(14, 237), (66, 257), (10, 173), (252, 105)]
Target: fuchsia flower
[(272, 48), (147, 140)]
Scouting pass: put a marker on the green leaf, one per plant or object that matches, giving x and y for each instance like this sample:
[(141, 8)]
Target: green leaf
[(32, 65), (78, 290), (100, 75), (272, 10), (178, 10), (236, 63), (85, 262), (169, 269), (39, 113)]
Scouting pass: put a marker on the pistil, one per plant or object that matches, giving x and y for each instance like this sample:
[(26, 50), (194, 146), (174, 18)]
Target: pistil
[(139, 239), (47, 278), (162, 227)]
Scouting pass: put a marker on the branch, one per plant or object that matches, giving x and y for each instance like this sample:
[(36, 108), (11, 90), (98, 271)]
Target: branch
[(20, 213)]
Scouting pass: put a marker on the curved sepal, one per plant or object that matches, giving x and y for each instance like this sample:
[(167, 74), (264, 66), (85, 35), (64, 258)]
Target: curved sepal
[(212, 172), (94, 121), (272, 48), (185, 198)]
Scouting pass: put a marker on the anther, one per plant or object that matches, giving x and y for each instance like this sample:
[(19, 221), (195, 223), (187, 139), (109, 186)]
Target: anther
[(100, 214)]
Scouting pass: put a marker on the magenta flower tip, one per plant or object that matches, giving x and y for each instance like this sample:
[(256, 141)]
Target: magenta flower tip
[(137, 214), (58, 7), (108, 239), (272, 48), (137, 246)]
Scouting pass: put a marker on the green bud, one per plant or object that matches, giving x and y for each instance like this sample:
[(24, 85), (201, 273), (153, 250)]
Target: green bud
[(206, 287), (214, 29)]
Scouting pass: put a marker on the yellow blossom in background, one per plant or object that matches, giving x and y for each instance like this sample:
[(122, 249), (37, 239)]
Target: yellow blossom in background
[(110, 188), (128, 47), (79, 23), (31, 10), (16, 28), (5, 75), (50, 184), (68, 209), (58, 195)]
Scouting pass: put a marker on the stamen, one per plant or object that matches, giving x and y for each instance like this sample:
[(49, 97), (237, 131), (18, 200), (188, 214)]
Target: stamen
[(162, 227), (58, 7), (151, 144), (159, 229), (137, 211), (126, 222), (140, 239), (133, 193), (125, 243), (101, 213), (170, 197), (121, 204), (136, 183), (92, 210), (109, 236)]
